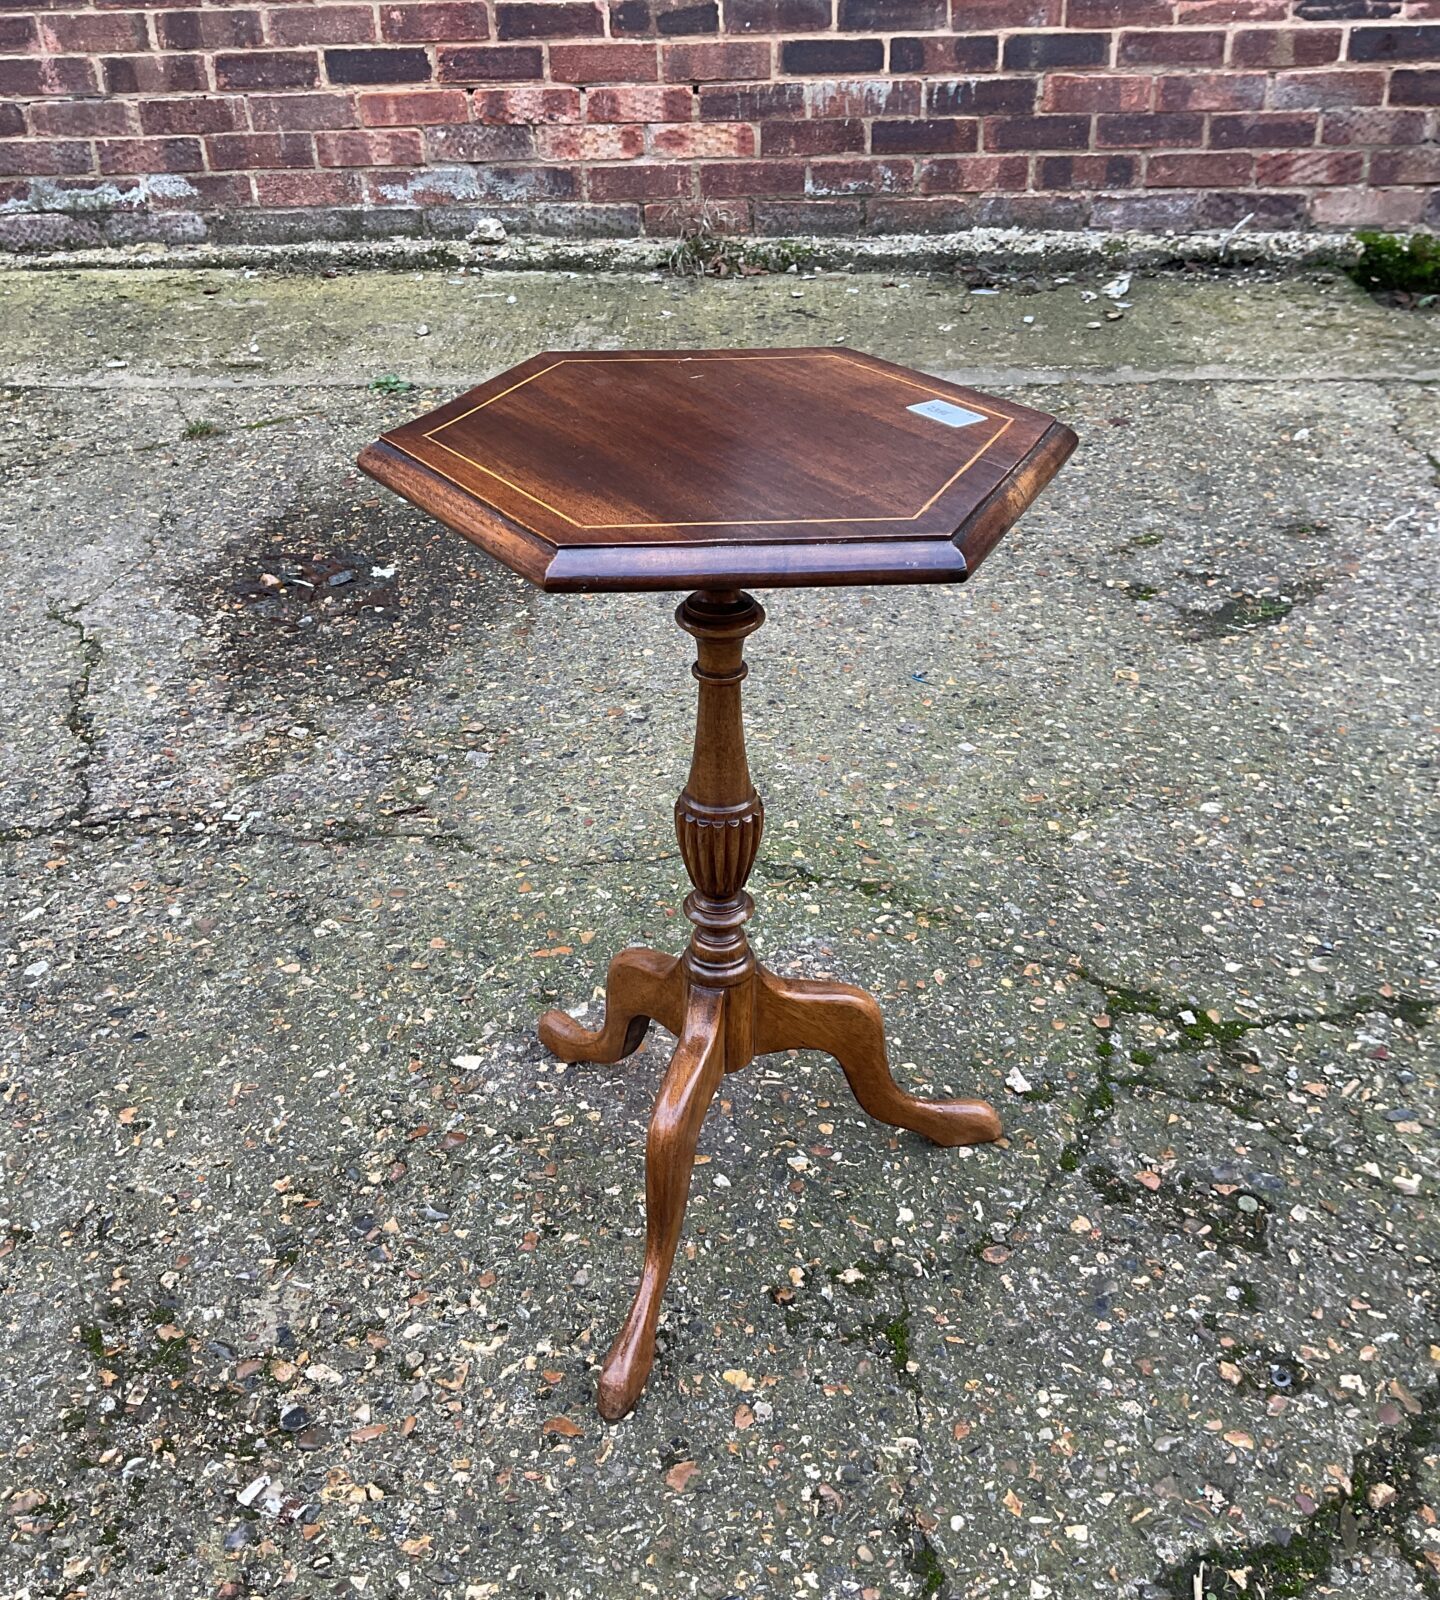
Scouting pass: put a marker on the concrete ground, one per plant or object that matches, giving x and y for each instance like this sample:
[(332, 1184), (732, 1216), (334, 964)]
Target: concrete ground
[(310, 1251)]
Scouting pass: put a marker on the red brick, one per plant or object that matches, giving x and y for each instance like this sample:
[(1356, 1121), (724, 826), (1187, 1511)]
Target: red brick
[(149, 155), (528, 105), (1148, 131), (434, 20), (1036, 52), (776, 218), (604, 63), (1392, 167), (1377, 208), (1117, 13), (851, 102), (82, 119), (308, 188), (740, 178), (471, 142), (1372, 127), (91, 33), (1263, 130), (644, 103), (669, 218), (1037, 133), (29, 77), (1211, 91), (1412, 87), (1179, 209), (320, 25), (950, 214), (1085, 172), (510, 185), (300, 113), (670, 19), (44, 158), (973, 174), (212, 114), (1261, 209), (863, 97), (408, 65), (810, 138), (1063, 211), (271, 69), (886, 16), (1232, 10), (751, 102), (828, 58), (1205, 169), (968, 15), (967, 52), (1285, 47), (489, 63), (983, 97), (832, 179), (644, 181), (390, 147), (209, 191), (777, 16), (690, 141), (712, 63), (414, 108), (1289, 169), (1092, 91), (591, 142), (18, 35), (407, 186), (207, 30), (937, 135), (1322, 90), (553, 19), (155, 74), (241, 152), (1417, 43), (1171, 47)]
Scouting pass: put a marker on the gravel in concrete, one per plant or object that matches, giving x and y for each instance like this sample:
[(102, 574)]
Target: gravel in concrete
[(310, 1251)]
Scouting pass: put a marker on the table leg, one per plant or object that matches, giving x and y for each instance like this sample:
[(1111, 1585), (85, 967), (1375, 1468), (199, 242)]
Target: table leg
[(689, 1085), (845, 1022), (641, 985)]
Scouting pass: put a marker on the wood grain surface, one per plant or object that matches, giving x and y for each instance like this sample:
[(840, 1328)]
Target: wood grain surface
[(685, 469)]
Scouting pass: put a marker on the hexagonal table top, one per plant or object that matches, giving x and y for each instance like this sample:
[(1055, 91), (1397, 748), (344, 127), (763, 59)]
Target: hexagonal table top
[(715, 468)]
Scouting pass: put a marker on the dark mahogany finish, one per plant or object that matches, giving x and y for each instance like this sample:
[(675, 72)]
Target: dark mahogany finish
[(705, 470), (715, 468)]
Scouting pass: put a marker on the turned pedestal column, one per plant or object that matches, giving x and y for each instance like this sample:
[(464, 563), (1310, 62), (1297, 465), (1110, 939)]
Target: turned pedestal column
[(724, 1006)]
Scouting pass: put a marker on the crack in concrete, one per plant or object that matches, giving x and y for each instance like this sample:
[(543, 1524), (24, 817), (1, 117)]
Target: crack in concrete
[(924, 1560), (230, 832), (1384, 1495), (77, 715), (1411, 443), (1100, 1102)]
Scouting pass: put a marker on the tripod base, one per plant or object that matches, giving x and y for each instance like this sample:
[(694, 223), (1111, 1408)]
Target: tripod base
[(721, 1029)]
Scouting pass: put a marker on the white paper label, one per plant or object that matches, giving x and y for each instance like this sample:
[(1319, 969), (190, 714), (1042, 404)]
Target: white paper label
[(942, 411)]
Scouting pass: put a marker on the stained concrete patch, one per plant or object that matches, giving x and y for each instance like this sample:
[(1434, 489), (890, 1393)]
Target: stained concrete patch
[(311, 1251)]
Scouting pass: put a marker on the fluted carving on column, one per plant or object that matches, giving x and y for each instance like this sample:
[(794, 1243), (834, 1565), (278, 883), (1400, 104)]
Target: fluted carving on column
[(718, 817), (718, 846)]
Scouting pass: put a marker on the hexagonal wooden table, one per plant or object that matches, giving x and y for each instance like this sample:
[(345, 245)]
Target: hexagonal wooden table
[(711, 470)]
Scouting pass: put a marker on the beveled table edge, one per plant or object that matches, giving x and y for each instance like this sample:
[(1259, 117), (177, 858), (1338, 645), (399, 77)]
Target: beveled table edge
[(778, 565)]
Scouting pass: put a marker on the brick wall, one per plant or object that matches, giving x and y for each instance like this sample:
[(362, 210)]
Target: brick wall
[(180, 120)]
